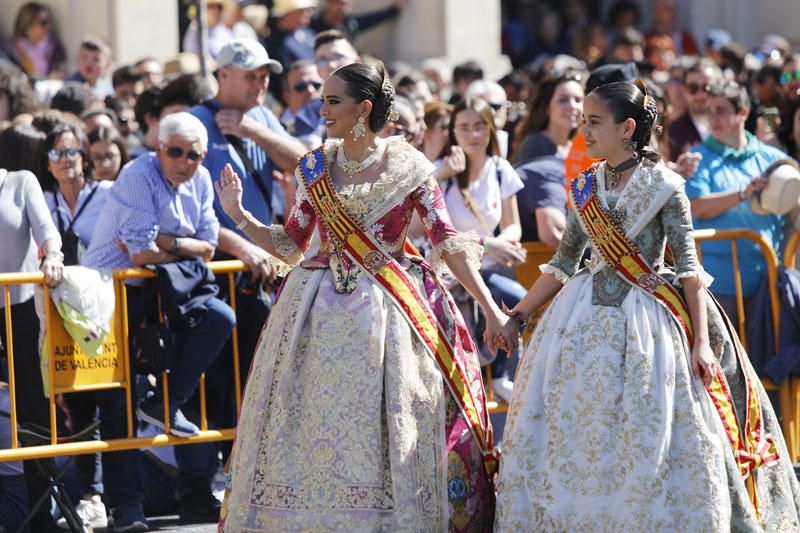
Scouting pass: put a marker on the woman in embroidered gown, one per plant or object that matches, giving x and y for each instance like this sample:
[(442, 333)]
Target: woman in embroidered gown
[(348, 422), (612, 427)]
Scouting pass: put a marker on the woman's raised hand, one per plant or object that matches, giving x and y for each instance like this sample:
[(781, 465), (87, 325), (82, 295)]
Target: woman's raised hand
[(229, 190)]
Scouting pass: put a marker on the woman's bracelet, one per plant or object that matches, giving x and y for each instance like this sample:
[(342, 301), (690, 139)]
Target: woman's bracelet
[(245, 221), (517, 316)]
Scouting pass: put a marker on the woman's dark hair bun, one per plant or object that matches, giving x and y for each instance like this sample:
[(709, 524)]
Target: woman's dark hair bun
[(363, 82)]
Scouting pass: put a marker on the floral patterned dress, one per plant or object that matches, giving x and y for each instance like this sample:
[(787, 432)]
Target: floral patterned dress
[(608, 429), (346, 424)]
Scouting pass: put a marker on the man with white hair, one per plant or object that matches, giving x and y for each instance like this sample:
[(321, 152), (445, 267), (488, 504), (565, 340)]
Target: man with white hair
[(494, 95), (160, 210)]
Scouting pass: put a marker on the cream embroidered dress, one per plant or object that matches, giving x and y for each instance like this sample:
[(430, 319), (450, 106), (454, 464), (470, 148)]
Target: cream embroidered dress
[(608, 430), (346, 424)]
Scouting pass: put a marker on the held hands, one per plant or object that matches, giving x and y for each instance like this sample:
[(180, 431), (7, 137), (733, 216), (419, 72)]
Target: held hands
[(498, 335), (504, 252), (229, 190), (704, 364)]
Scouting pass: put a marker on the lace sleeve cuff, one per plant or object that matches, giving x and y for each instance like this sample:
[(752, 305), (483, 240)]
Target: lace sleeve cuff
[(560, 275), (287, 249), (706, 279), (468, 243)]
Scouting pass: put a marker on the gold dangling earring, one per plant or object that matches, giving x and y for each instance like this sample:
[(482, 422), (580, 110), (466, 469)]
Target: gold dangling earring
[(359, 130)]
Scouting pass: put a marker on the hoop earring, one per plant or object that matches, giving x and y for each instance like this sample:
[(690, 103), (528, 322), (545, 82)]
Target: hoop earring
[(359, 130), (630, 145)]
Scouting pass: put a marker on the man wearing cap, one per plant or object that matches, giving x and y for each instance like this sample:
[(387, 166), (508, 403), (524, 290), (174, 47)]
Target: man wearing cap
[(249, 137), (728, 176)]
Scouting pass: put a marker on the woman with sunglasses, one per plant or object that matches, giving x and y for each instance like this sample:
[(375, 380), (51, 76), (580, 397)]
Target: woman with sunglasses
[(35, 48), (636, 409), (74, 197), (552, 121), (352, 419), (481, 197)]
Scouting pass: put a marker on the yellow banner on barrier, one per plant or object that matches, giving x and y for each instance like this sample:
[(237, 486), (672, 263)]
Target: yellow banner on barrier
[(72, 366)]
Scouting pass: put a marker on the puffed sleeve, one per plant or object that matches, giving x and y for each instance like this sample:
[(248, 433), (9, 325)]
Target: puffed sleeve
[(566, 260), (429, 203), (676, 217)]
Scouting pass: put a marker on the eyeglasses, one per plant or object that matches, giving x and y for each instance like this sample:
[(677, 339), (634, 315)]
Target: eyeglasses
[(174, 152), (694, 88), (108, 156), (302, 86), (789, 77), (478, 128), (56, 155), (497, 107)]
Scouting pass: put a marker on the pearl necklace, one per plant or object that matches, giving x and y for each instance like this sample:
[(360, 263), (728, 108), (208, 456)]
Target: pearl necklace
[(354, 167)]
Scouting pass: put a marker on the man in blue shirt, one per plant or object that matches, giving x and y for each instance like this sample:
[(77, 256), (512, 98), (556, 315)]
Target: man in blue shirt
[(236, 114), (160, 210), (239, 125), (729, 174)]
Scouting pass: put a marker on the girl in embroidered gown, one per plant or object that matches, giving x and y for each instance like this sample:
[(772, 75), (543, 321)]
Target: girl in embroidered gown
[(612, 426), (348, 422)]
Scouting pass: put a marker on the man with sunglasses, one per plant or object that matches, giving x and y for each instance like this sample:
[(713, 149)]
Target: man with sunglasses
[(160, 210), (692, 126), (301, 93), (790, 78)]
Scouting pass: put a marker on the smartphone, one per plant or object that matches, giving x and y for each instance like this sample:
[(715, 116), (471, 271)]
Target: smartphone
[(772, 116)]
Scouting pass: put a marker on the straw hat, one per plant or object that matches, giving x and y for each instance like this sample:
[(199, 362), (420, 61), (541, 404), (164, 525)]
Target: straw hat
[(782, 190), (281, 7)]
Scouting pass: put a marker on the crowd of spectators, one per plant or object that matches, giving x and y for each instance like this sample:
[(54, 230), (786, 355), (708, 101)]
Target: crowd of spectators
[(113, 166)]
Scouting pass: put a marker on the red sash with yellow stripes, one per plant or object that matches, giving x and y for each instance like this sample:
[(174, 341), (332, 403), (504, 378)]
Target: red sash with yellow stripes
[(752, 447), (393, 279)]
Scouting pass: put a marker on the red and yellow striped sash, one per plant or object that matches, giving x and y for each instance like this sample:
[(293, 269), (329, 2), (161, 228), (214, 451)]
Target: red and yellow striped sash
[(393, 279), (752, 447)]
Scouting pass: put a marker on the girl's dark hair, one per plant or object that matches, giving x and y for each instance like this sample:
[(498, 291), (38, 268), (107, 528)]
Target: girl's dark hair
[(110, 135), (363, 82), (538, 118), (48, 181), (19, 148), (627, 100), (17, 89)]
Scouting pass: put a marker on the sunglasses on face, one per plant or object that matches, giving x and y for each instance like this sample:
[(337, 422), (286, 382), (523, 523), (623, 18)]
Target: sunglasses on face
[(789, 77), (56, 155), (174, 152), (694, 88), (302, 86), (497, 107)]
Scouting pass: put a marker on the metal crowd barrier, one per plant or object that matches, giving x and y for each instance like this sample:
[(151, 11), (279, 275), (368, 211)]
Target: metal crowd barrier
[(793, 383), (120, 328)]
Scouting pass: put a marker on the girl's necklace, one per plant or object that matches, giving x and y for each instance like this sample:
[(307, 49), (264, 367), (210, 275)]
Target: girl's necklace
[(615, 173)]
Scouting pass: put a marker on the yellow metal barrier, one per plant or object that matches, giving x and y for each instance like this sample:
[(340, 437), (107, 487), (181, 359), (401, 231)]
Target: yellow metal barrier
[(121, 322), (787, 393), (793, 383)]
